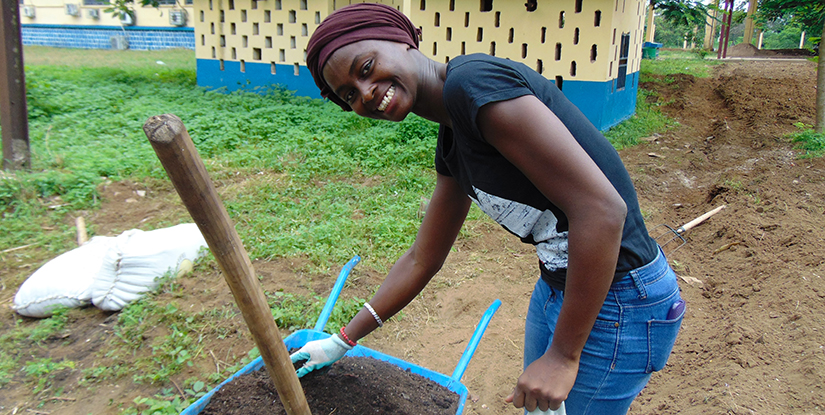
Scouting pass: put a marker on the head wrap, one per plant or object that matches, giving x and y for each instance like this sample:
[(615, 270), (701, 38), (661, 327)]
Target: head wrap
[(350, 24)]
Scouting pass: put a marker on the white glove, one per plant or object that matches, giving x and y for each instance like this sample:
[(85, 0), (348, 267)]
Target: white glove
[(320, 353)]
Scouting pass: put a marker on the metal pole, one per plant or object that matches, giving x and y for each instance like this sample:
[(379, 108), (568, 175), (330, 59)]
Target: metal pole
[(13, 111), (727, 29)]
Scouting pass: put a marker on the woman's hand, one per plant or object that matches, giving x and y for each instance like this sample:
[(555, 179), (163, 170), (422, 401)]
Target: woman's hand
[(545, 383), (320, 353)]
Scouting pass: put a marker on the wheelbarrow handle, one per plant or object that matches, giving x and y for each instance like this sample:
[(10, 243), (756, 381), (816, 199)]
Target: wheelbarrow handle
[(474, 340), (336, 291)]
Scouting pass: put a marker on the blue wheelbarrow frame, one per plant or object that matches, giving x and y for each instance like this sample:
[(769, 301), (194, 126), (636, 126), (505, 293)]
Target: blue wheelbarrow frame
[(302, 337)]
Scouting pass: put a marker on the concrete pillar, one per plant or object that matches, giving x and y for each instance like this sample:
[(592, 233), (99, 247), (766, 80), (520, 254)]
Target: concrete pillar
[(749, 26)]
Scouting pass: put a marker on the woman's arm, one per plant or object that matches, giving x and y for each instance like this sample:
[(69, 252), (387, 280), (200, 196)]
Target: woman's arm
[(532, 137), (445, 214)]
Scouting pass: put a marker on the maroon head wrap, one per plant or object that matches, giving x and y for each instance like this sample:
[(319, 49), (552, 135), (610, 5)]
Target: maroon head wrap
[(350, 24)]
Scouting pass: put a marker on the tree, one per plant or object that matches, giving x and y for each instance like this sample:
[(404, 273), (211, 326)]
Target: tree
[(688, 15), (810, 15)]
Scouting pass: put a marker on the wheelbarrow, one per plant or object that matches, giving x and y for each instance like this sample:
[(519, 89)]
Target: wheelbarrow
[(302, 337)]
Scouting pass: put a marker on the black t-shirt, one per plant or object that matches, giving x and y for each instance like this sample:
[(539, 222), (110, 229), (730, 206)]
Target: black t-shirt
[(501, 190)]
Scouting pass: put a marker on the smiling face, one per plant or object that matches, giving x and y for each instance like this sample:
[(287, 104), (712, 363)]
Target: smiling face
[(377, 78)]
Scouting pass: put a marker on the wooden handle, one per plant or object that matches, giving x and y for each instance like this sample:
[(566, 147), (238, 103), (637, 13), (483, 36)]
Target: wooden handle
[(692, 224), (185, 168)]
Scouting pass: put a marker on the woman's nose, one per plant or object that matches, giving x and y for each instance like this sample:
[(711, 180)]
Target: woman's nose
[(367, 92)]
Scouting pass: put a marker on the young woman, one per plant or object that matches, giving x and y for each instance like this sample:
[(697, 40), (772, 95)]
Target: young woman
[(598, 322)]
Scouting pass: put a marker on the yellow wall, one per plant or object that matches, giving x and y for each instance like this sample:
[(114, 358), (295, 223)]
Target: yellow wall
[(277, 31), (53, 12)]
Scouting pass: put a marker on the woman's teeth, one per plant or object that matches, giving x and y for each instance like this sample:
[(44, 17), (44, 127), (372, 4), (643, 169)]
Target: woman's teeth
[(387, 98)]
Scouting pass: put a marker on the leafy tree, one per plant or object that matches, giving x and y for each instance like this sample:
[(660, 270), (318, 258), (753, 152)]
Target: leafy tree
[(810, 15)]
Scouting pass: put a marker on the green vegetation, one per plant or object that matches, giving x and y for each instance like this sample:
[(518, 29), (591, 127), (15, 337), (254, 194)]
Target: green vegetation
[(40, 372), (647, 121), (810, 141), (673, 62)]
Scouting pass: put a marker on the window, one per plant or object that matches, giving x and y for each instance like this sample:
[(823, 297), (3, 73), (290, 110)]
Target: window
[(243, 66), (624, 51), (578, 6), (576, 36), (523, 50), (497, 21), (492, 48), (303, 5), (231, 4), (293, 16), (543, 34), (561, 20), (559, 81), (272, 67), (539, 66), (486, 5), (437, 21), (480, 35), (593, 53), (255, 28), (268, 42), (256, 54), (267, 16), (597, 18), (423, 5), (90, 2), (449, 33), (558, 51), (573, 68)]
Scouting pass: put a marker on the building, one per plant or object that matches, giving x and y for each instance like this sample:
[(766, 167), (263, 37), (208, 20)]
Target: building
[(84, 24), (590, 48)]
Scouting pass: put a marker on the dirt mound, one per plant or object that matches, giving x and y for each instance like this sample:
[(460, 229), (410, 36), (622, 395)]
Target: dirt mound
[(752, 274), (747, 50)]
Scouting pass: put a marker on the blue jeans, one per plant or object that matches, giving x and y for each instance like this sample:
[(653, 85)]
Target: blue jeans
[(631, 338)]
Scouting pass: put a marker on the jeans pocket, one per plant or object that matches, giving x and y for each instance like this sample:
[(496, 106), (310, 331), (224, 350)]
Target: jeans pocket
[(661, 335)]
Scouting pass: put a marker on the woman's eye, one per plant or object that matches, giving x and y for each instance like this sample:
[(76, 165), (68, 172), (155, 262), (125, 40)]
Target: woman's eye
[(366, 68), (349, 96)]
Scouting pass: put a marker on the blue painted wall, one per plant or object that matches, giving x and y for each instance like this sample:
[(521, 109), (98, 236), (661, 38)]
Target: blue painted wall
[(256, 75), (597, 100), (97, 37)]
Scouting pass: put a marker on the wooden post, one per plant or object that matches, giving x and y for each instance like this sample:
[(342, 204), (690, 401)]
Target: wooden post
[(13, 112), (749, 26), (185, 168)]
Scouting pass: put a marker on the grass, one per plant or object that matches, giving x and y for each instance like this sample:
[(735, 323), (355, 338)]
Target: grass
[(809, 141), (672, 62), (299, 178)]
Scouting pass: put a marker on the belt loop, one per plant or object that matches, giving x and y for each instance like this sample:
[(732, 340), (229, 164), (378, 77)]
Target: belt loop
[(640, 286)]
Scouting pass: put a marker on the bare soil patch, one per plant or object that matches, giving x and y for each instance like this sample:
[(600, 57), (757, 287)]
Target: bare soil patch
[(751, 342)]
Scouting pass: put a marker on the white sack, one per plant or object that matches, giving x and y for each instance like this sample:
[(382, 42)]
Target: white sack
[(63, 281), (138, 259)]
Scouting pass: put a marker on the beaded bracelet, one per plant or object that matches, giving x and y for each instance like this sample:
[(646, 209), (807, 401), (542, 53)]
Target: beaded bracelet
[(346, 339), (374, 314)]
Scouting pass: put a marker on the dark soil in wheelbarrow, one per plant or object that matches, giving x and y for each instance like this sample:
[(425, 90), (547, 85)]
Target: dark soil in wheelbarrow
[(351, 386)]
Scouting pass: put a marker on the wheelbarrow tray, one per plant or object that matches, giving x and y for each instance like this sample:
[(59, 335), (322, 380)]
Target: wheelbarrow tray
[(302, 337)]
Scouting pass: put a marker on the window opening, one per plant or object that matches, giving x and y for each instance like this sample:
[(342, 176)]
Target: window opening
[(467, 19), (480, 35), (543, 34), (231, 4), (559, 81), (492, 48), (573, 68), (578, 6), (423, 5), (561, 20), (303, 5), (435, 48), (576, 36), (293, 17), (593, 53), (449, 33), (497, 20), (624, 52), (272, 68), (558, 51), (510, 36), (597, 19), (539, 66), (437, 19), (296, 69), (523, 50), (267, 16), (256, 54), (486, 5)]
